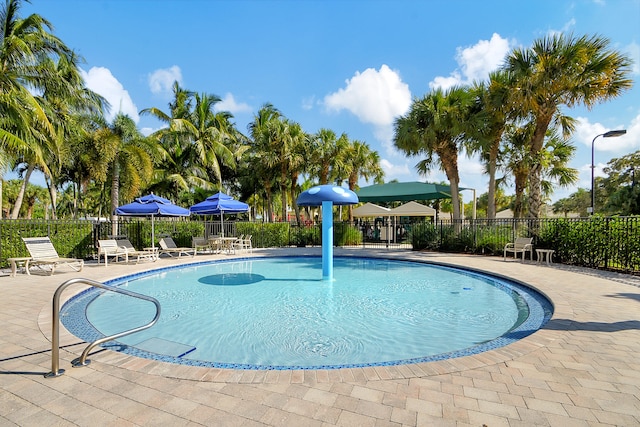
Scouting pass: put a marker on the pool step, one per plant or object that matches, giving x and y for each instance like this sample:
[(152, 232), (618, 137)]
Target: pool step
[(165, 347)]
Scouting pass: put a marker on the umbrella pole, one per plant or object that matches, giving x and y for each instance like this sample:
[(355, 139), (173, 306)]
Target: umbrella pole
[(222, 224), (153, 234)]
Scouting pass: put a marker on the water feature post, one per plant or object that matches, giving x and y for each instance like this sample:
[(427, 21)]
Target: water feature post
[(327, 240), (327, 196)]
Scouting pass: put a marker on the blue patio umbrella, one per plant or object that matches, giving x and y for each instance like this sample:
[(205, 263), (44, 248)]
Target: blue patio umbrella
[(153, 206), (219, 203)]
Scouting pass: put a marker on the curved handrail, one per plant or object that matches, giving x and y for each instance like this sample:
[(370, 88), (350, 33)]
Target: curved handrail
[(55, 328)]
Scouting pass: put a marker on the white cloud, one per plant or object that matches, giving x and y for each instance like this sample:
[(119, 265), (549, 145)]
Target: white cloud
[(229, 104), (566, 28), (471, 166), (633, 49), (586, 132), (161, 81), (307, 103), (475, 62), (375, 97), (394, 170), (101, 81), (446, 82)]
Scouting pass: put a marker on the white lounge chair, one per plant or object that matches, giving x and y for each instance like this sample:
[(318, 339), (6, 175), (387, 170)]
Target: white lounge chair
[(110, 248), (169, 247), (521, 245), (43, 253), (147, 253)]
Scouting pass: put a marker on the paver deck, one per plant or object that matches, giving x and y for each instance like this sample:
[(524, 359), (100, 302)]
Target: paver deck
[(581, 369)]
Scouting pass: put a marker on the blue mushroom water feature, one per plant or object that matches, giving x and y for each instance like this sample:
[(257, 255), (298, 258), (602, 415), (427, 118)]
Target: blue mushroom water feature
[(327, 196)]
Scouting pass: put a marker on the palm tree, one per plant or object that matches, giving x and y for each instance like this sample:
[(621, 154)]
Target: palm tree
[(434, 125), (128, 156), (562, 70), (296, 161), (267, 132), (488, 126), (68, 104), (361, 162), (326, 154), (556, 154), (25, 48), (516, 161), (197, 142), (554, 157)]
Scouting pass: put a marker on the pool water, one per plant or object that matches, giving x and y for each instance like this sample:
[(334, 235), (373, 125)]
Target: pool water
[(278, 313)]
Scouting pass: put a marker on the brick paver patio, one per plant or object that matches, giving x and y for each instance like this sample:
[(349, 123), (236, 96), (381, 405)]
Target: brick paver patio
[(581, 369)]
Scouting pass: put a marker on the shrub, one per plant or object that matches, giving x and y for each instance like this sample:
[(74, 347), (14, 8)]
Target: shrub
[(347, 235), (423, 236), (265, 235)]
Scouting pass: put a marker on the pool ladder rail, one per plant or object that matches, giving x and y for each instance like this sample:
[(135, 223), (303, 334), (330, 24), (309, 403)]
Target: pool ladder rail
[(55, 328)]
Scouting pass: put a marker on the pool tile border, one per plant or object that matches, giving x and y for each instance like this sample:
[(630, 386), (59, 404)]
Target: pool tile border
[(539, 315)]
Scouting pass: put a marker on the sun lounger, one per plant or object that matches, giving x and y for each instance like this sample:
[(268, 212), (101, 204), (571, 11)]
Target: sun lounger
[(147, 253), (169, 247), (110, 248), (43, 253)]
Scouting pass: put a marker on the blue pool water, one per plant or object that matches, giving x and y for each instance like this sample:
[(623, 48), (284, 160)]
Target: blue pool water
[(277, 313)]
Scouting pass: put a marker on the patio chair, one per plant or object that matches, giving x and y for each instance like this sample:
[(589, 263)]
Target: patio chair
[(110, 248), (521, 245), (201, 244), (244, 243), (147, 253), (169, 247), (43, 253)]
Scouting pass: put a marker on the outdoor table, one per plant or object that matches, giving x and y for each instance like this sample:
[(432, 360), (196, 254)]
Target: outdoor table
[(17, 263), (226, 243), (155, 252), (544, 255)]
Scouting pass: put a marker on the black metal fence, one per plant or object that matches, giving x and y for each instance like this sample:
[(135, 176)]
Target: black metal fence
[(611, 243)]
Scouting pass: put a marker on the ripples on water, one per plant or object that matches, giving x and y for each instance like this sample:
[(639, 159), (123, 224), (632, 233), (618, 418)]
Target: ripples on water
[(253, 312)]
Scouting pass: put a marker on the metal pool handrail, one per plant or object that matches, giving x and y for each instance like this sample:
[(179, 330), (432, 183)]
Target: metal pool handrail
[(55, 328)]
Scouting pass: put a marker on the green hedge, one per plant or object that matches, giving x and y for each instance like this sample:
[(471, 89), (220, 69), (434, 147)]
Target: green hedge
[(73, 239), (346, 235), (265, 235), (597, 242)]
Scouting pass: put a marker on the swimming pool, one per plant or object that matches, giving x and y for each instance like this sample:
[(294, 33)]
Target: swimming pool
[(277, 313)]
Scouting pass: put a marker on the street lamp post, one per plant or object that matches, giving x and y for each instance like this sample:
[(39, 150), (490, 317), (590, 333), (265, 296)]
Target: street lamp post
[(610, 134)]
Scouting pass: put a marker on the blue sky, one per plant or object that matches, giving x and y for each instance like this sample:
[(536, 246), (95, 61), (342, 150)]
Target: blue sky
[(351, 65)]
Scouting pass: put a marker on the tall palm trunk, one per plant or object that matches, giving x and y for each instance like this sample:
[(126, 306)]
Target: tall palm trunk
[(23, 188), (267, 190), (449, 160), (294, 185), (535, 175), (493, 158), (520, 177), (283, 191), (53, 195), (353, 178), (115, 196)]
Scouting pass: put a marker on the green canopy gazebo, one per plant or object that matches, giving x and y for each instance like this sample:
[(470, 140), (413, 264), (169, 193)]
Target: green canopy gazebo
[(406, 191)]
